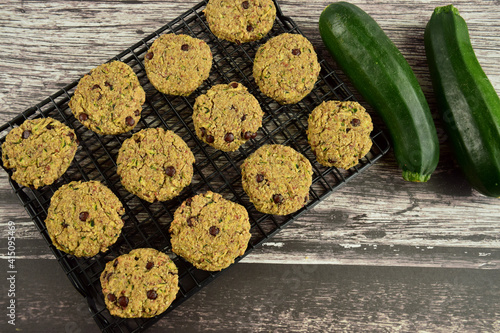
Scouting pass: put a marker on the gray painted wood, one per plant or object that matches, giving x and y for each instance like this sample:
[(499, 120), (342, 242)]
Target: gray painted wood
[(376, 220)]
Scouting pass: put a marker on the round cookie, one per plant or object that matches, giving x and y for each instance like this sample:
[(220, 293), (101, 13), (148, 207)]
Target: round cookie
[(155, 164), (178, 64), (140, 284), (109, 99), (277, 179), (286, 68), (210, 231), (227, 116), (39, 151), (339, 133), (84, 218), (240, 21)]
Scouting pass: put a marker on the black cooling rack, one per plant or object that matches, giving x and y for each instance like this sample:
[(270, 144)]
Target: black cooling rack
[(146, 225)]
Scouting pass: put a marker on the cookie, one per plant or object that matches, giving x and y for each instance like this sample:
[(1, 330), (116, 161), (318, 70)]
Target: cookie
[(109, 99), (140, 284), (178, 64), (39, 151), (210, 231), (240, 21), (339, 133), (286, 68), (227, 116), (84, 218), (277, 179), (155, 164)]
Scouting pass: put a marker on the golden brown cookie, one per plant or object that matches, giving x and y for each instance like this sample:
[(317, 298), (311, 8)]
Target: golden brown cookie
[(277, 179), (155, 164), (227, 116), (142, 283), (39, 151), (339, 133), (286, 68), (178, 64), (84, 218), (210, 231), (240, 21), (109, 99)]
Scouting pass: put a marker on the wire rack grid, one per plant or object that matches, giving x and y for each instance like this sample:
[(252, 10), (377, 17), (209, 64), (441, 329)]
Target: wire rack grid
[(146, 225)]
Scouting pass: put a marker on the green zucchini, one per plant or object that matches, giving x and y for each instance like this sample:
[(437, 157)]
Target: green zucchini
[(467, 101), (386, 81)]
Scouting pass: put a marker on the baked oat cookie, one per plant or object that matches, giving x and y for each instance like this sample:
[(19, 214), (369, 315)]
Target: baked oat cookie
[(286, 68), (240, 21), (227, 116), (140, 284), (84, 218), (277, 179), (210, 231), (178, 64), (39, 151), (155, 164), (109, 99), (339, 133)]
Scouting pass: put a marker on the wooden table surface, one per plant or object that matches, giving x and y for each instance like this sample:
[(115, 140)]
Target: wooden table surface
[(378, 255)]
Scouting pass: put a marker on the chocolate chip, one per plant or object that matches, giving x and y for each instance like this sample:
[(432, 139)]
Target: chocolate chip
[(149, 265), (249, 28), (115, 263), (355, 122), (332, 161), (185, 47), (96, 86), (306, 199), (107, 84), (130, 121), (245, 4), (152, 294), (108, 276), (277, 198), (191, 221), (26, 134), (347, 130), (84, 216), (64, 225), (203, 131), (50, 127), (259, 178), (100, 96), (189, 201), (244, 117), (254, 135), (137, 113), (247, 135), (229, 137), (210, 139), (170, 171), (149, 55), (83, 116), (214, 231), (123, 301), (71, 135), (136, 258), (234, 85), (296, 52), (111, 297)]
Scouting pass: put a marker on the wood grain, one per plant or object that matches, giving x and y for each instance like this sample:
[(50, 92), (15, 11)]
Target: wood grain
[(375, 220)]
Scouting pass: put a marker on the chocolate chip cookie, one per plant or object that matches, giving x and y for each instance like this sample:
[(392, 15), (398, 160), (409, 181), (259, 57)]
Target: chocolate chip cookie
[(109, 99), (227, 116), (210, 231), (286, 68), (142, 283), (155, 164), (39, 151), (339, 133), (84, 218), (277, 179), (240, 21), (178, 64)]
